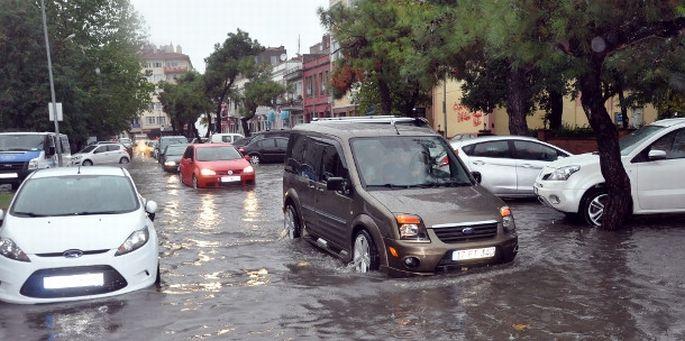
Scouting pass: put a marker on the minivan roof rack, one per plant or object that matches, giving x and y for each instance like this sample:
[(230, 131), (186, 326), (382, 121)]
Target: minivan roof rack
[(380, 119)]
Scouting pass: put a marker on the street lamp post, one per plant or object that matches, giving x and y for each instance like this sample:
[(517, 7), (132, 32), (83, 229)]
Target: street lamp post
[(58, 144)]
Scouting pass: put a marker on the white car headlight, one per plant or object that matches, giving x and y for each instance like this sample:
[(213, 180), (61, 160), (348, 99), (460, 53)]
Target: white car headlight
[(563, 173), (134, 242), (10, 250), (170, 163)]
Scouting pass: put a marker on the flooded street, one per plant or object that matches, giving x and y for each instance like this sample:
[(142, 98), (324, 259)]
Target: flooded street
[(229, 273)]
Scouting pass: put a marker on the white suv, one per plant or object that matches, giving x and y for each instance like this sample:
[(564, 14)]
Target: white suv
[(654, 158)]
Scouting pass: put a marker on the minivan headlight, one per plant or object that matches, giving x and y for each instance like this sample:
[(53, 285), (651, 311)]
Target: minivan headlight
[(134, 242), (9, 249), (563, 173), (411, 227), (507, 219)]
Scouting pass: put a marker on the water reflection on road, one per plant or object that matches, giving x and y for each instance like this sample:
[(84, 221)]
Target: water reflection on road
[(228, 273)]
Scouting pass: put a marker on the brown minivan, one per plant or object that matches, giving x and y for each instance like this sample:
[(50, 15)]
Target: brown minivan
[(389, 194)]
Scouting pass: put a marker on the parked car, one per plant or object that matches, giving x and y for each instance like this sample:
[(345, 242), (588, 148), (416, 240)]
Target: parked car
[(654, 158), (165, 141), (266, 150), (77, 233), (172, 157), (199, 140), (24, 152), (462, 137), (214, 165), (226, 138), (381, 197), (509, 164), (260, 135), (101, 154)]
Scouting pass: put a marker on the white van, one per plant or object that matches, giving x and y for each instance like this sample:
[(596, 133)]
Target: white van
[(24, 152), (226, 138)]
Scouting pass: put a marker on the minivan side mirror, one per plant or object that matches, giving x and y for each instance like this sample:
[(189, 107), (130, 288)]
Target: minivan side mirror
[(151, 209), (657, 154), (336, 183), (477, 176)]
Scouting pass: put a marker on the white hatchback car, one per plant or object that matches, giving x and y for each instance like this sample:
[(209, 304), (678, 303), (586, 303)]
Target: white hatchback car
[(77, 233), (654, 158), (101, 154), (226, 138), (508, 165)]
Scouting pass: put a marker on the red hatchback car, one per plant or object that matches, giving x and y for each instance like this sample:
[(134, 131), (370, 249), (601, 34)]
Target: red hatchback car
[(214, 165)]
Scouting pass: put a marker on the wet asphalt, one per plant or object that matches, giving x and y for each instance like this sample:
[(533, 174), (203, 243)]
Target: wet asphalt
[(228, 272)]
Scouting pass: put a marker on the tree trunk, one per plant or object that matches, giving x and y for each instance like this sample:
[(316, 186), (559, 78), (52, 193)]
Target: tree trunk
[(616, 179), (518, 101), (556, 109), (385, 97), (246, 127)]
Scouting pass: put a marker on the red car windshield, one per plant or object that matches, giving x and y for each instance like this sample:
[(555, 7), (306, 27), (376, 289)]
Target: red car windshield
[(217, 154)]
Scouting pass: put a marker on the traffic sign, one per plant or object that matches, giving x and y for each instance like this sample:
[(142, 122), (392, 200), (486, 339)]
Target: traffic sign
[(51, 114)]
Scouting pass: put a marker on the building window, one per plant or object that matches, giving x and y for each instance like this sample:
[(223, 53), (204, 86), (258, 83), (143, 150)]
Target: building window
[(158, 64), (150, 120), (161, 120), (325, 82)]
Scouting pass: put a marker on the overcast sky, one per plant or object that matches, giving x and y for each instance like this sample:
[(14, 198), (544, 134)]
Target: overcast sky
[(197, 25)]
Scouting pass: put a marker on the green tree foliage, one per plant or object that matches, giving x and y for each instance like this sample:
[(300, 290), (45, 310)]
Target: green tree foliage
[(377, 44), (185, 101), (233, 58), (95, 46), (260, 90), (593, 34)]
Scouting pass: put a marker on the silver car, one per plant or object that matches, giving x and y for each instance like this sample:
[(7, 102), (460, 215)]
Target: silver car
[(98, 154), (509, 164)]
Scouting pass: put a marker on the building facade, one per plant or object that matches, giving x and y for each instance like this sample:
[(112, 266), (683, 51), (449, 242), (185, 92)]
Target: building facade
[(316, 72), (458, 119), (164, 63)]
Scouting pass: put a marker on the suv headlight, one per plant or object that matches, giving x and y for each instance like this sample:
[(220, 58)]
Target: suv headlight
[(170, 163), (134, 242), (507, 219), (33, 164), (10, 250), (411, 227), (563, 173)]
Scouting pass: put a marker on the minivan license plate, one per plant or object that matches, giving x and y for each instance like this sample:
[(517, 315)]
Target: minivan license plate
[(473, 253), (233, 178)]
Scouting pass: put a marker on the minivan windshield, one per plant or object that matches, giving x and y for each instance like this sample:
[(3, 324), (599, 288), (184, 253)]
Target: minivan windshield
[(175, 150), (407, 161), (18, 142), (75, 195), (165, 141), (217, 154), (629, 142)]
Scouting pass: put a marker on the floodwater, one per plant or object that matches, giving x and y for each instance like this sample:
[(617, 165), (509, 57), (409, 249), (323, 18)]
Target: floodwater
[(228, 273)]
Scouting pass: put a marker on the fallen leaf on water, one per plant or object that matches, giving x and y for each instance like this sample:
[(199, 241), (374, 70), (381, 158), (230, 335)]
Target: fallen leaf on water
[(519, 326)]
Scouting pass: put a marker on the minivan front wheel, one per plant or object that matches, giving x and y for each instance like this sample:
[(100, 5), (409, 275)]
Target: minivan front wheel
[(364, 253), (291, 224), (593, 207)]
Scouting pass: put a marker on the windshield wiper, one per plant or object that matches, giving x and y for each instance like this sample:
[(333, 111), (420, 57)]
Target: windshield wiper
[(96, 212), (29, 214)]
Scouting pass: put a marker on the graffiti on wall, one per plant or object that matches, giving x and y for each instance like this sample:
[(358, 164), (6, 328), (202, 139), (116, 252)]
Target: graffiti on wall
[(464, 114)]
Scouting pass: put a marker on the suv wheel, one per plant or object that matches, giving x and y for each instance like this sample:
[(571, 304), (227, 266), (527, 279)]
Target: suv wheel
[(291, 223), (364, 253), (592, 207), (254, 159)]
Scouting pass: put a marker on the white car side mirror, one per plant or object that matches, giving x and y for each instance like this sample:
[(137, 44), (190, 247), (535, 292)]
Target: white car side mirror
[(657, 154), (151, 207), (2, 215)]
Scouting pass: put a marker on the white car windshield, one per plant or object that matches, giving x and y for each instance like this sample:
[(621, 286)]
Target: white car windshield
[(75, 195), (407, 161), (629, 142)]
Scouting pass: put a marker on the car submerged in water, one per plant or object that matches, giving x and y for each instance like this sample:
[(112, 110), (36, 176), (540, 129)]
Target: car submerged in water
[(77, 233), (378, 192)]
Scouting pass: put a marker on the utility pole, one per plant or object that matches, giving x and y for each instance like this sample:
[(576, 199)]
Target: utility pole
[(58, 143), (444, 102)]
